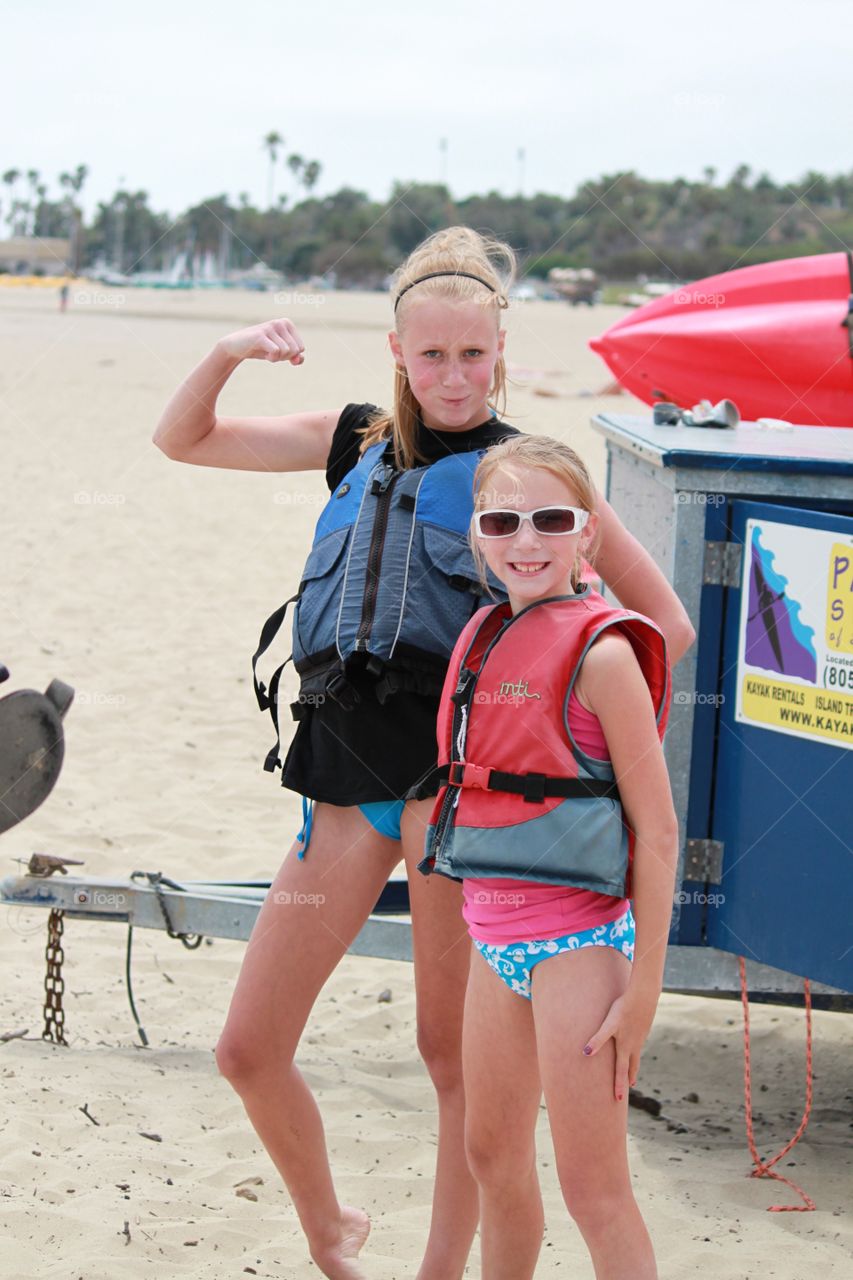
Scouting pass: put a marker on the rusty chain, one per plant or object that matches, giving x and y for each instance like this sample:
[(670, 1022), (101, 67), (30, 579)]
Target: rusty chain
[(54, 983)]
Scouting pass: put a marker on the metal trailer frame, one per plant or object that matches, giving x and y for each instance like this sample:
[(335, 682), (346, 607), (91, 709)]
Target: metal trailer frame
[(223, 909)]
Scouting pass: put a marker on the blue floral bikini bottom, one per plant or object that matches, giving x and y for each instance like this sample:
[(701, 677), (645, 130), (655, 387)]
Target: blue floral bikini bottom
[(514, 961)]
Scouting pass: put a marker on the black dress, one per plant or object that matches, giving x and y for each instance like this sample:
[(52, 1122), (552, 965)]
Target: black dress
[(374, 751)]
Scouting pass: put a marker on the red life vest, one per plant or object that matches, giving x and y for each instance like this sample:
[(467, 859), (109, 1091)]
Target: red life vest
[(520, 799)]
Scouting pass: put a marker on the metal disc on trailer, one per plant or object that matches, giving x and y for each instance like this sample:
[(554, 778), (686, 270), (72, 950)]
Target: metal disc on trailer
[(31, 748)]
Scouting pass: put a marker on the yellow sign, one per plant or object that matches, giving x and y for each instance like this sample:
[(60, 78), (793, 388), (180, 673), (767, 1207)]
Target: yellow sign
[(839, 599), (798, 708)]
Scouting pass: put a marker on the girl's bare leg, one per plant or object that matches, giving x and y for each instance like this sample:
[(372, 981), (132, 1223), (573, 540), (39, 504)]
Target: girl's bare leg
[(441, 954), (313, 911), (571, 995), (503, 1091)]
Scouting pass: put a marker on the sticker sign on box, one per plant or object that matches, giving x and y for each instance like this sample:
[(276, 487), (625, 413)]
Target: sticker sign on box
[(795, 641)]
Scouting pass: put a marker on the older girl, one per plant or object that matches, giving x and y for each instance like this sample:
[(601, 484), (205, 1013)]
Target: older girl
[(367, 737)]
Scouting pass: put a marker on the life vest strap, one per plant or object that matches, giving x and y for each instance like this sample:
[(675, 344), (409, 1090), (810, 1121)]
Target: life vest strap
[(535, 787), (268, 698)]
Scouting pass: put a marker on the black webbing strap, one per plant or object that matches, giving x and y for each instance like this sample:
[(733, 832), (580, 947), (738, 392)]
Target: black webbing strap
[(268, 698), (536, 787)]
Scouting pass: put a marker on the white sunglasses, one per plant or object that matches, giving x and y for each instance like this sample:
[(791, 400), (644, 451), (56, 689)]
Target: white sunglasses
[(549, 521)]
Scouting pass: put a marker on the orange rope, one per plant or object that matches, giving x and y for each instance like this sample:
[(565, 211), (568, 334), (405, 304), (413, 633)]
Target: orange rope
[(762, 1169)]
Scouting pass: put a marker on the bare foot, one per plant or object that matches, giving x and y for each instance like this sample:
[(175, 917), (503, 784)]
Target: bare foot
[(339, 1261)]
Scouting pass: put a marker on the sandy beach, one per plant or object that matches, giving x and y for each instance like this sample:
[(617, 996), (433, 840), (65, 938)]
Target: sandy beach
[(143, 583)]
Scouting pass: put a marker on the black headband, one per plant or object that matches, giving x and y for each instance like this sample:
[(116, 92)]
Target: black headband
[(432, 275)]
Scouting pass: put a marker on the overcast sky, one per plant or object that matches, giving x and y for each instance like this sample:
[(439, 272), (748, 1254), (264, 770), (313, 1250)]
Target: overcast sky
[(176, 100)]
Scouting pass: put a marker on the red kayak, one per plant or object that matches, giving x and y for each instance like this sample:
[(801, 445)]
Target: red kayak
[(777, 339)]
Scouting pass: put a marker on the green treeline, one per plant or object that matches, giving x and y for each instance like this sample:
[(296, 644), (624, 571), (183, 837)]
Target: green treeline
[(620, 224)]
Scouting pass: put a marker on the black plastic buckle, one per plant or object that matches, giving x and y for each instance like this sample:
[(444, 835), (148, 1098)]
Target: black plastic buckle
[(534, 787), (341, 691), (460, 695)]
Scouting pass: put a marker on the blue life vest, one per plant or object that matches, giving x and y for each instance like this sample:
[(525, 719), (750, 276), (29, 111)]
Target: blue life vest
[(388, 586)]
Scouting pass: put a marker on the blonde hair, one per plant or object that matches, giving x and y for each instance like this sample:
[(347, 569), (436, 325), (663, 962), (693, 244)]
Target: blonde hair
[(535, 453), (457, 249)]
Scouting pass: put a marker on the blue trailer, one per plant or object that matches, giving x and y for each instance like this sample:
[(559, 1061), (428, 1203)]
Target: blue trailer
[(754, 528)]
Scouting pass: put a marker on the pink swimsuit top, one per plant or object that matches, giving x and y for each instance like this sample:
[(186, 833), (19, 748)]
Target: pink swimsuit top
[(500, 911)]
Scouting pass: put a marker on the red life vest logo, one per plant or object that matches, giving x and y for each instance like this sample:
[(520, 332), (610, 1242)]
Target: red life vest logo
[(517, 689), (510, 692)]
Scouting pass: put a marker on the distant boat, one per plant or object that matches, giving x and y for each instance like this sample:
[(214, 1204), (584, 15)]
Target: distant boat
[(776, 339)]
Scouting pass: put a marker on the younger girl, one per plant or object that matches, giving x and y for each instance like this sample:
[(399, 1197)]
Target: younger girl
[(556, 802)]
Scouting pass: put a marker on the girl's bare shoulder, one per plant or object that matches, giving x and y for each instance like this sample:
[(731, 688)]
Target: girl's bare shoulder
[(609, 669)]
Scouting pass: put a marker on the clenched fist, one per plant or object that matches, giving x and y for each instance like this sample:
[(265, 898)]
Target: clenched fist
[(273, 340)]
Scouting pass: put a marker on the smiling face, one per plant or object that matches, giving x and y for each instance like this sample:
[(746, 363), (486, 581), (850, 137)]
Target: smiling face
[(449, 350), (532, 566)]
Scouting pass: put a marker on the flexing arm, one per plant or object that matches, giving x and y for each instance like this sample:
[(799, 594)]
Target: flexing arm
[(638, 583), (191, 431), (613, 686)]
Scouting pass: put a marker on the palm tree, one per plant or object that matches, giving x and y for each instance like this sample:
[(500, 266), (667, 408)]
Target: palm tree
[(295, 164), (73, 182), (33, 176), (10, 177), (310, 174), (272, 142)]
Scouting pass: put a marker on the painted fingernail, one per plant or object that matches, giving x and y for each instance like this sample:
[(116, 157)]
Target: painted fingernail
[(587, 1049)]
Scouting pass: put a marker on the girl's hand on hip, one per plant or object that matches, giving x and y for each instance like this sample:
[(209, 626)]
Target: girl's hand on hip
[(273, 340), (628, 1022)]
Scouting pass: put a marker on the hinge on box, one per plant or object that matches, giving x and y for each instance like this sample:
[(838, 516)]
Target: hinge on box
[(722, 564), (703, 860)]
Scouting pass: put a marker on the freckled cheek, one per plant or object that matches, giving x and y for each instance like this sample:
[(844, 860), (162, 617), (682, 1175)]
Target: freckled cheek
[(480, 376), (423, 377)]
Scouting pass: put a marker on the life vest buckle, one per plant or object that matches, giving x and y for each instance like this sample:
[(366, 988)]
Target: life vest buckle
[(471, 775), (340, 690)]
